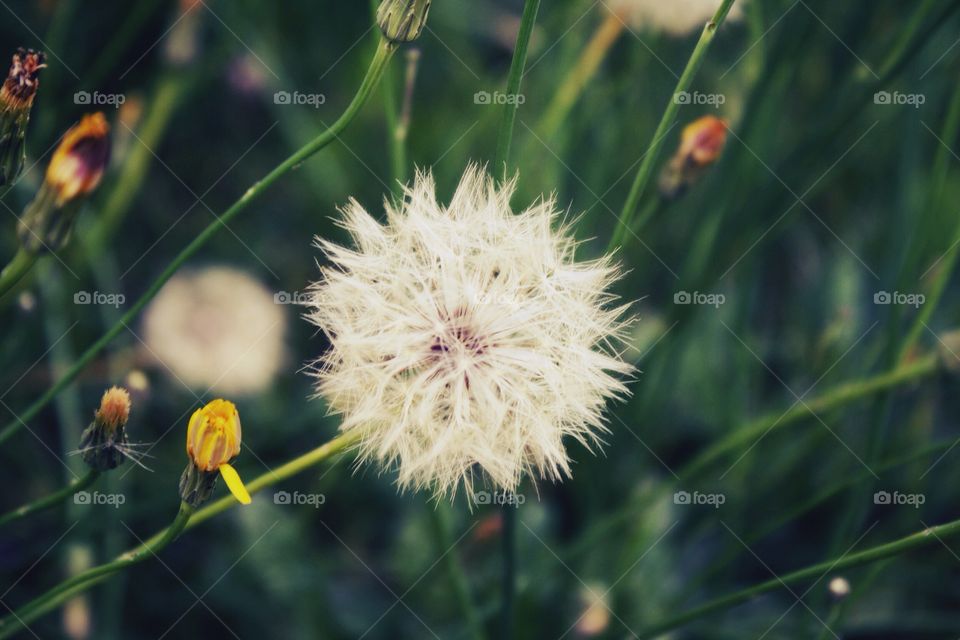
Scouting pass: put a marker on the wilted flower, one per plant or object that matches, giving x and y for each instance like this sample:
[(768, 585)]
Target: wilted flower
[(16, 100), (74, 171), (103, 444), (216, 329), (466, 338), (213, 441), (701, 143), (676, 17), (403, 20)]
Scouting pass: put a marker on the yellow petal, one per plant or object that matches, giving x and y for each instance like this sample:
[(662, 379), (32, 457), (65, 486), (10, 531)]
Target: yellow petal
[(235, 484)]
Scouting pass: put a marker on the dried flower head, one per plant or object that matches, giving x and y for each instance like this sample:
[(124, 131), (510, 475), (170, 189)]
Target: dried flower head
[(16, 100), (22, 80), (104, 444), (464, 338), (213, 441), (675, 17)]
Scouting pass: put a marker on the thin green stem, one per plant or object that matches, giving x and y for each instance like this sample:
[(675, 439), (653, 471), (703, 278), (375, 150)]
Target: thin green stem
[(927, 537), (52, 499), (63, 591), (370, 81), (184, 522), (14, 272), (645, 172), (440, 518), (505, 137), (509, 577)]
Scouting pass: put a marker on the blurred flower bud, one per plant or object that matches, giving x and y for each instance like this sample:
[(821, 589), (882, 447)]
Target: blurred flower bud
[(75, 171), (949, 349), (103, 443), (402, 20), (213, 441), (16, 99), (182, 45), (701, 143), (595, 616), (839, 587)]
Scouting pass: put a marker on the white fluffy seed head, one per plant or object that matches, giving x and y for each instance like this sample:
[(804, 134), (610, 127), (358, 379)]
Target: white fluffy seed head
[(465, 338)]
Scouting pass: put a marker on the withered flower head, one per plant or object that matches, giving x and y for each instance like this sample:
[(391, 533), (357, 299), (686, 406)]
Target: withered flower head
[(16, 98), (22, 80)]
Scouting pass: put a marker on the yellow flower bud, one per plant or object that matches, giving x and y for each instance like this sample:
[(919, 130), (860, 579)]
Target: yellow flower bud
[(213, 440), (213, 435)]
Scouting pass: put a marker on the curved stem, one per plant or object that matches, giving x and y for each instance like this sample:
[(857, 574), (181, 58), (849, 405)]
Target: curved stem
[(370, 81), (13, 272), (63, 591), (52, 499), (184, 522), (505, 137), (645, 171), (580, 75), (927, 537)]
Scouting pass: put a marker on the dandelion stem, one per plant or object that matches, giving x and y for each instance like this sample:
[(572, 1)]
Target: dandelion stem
[(580, 75), (509, 534), (52, 499), (66, 589), (926, 537), (14, 272), (370, 81), (186, 519), (645, 171), (505, 136), (440, 517)]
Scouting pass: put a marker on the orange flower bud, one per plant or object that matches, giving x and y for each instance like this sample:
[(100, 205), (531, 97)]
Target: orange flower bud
[(701, 143), (80, 160)]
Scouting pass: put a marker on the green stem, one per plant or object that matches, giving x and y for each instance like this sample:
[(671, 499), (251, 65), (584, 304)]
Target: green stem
[(370, 81), (185, 521), (52, 499), (440, 517), (66, 589), (505, 137), (509, 586), (920, 539), (18, 267), (645, 172)]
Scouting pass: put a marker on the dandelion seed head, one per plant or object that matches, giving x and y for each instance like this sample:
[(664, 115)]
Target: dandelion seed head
[(465, 340)]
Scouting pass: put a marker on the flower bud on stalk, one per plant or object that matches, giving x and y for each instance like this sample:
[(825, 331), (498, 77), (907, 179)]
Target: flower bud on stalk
[(74, 172), (103, 443), (402, 20), (701, 143), (16, 100), (213, 441)]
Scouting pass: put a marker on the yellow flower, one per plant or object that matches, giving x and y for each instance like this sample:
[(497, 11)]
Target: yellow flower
[(213, 440), (80, 160)]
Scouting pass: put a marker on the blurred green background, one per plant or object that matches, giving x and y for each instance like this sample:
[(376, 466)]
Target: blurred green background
[(825, 198)]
